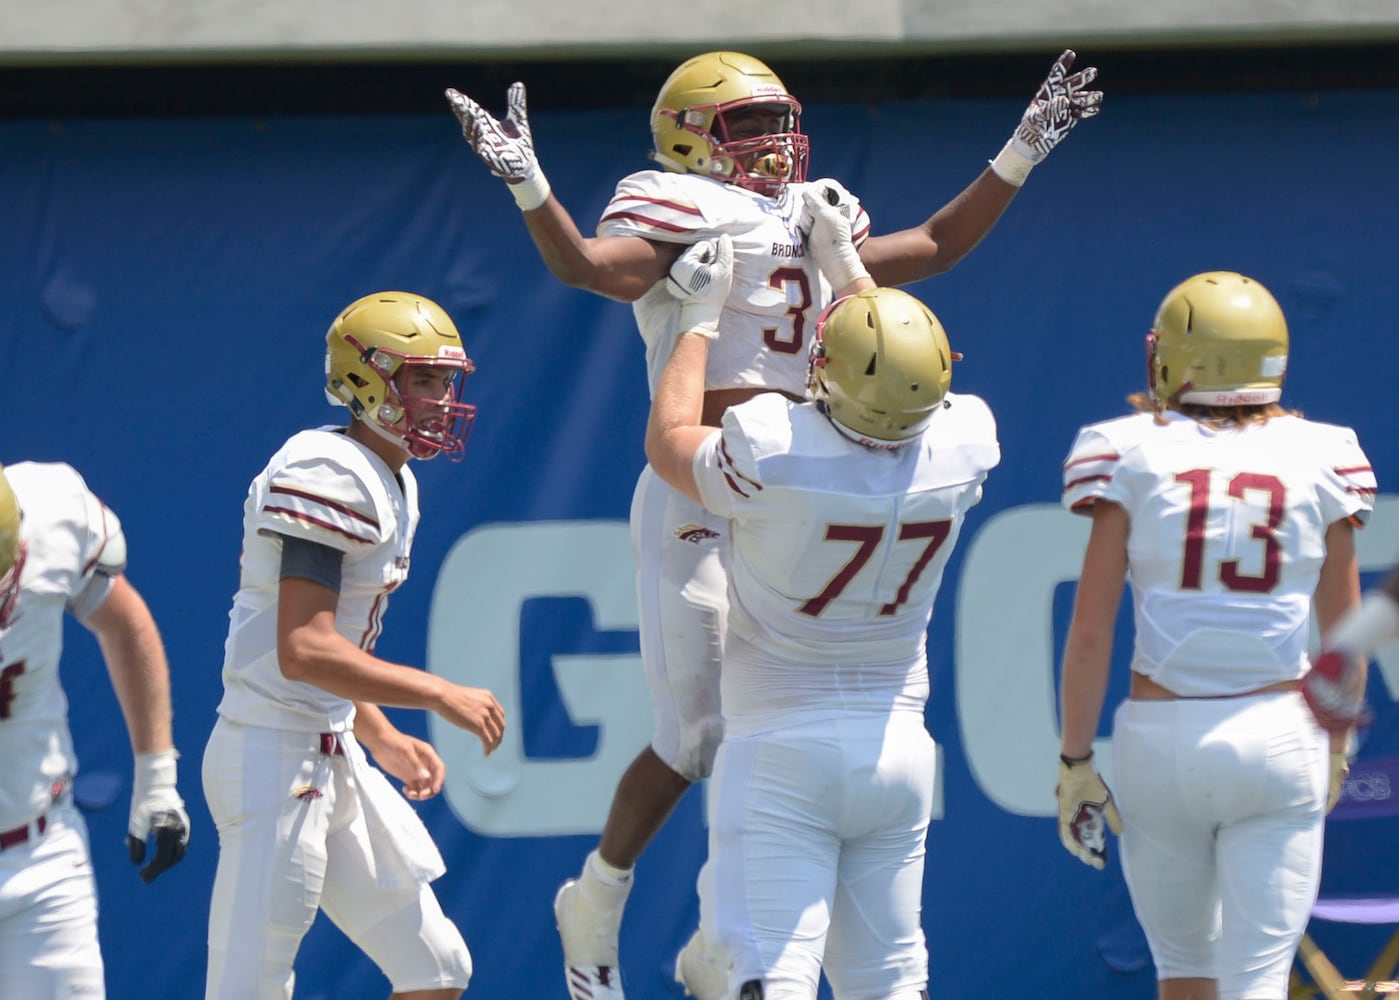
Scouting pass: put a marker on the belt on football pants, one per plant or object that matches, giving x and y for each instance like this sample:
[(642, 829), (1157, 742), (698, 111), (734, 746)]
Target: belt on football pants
[(23, 834), (331, 745)]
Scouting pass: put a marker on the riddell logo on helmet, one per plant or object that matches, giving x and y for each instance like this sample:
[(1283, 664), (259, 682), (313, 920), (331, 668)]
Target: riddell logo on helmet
[(1242, 399)]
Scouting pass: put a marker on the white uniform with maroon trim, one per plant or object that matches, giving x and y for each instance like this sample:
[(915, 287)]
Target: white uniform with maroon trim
[(1221, 793), (48, 900), (301, 828), (824, 779), (765, 338)]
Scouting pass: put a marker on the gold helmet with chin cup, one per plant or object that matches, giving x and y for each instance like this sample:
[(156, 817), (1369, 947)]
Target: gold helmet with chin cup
[(372, 341), (691, 134), (1219, 339), (880, 364), (12, 550)]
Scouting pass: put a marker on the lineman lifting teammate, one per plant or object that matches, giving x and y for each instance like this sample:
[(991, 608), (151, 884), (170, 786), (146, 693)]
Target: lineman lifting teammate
[(1233, 517), (733, 160), (843, 512), (62, 549), (305, 821)]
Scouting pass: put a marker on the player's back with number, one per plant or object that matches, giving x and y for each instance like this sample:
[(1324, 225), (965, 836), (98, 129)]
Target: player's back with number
[(1228, 536), (838, 548)]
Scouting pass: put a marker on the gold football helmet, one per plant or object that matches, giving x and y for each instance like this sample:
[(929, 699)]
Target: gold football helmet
[(880, 364), (12, 551), (1220, 339), (377, 339), (726, 115)]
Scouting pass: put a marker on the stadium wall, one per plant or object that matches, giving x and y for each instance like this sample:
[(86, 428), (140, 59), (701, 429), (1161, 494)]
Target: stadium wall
[(167, 283)]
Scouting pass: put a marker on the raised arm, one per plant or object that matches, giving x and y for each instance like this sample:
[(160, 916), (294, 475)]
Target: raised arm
[(700, 279), (955, 229), (620, 268)]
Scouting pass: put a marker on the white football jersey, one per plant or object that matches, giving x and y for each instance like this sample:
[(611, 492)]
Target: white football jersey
[(76, 548), (778, 291), (324, 487), (1227, 538), (836, 553)]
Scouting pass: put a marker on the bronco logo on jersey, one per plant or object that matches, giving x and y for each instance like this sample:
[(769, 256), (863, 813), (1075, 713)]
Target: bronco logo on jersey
[(695, 533)]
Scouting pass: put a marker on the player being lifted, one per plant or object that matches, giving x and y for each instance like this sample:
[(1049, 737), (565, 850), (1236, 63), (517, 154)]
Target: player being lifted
[(61, 550), (305, 821), (1230, 516), (733, 160)]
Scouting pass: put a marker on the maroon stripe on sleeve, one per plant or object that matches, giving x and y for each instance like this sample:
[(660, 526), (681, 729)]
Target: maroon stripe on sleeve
[(1107, 457), (669, 227), (296, 515), (345, 509)]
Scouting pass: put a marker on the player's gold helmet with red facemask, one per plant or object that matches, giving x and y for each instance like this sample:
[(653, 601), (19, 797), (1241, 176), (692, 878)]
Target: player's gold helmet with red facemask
[(371, 343), (727, 116), (1219, 339), (12, 551), (880, 365)]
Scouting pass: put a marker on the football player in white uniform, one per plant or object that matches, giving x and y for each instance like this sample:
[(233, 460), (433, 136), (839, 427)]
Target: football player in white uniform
[(733, 161), (62, 550), (305, 821), (1232, 518), (842, 513)]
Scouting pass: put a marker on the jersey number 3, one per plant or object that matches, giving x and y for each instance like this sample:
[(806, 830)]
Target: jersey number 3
[(868, 537), (780, 279)]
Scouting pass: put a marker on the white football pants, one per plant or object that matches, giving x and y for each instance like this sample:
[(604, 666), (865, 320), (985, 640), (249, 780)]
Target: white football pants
[(48, 913), (1222, 803), (816, 853), (292, 839), (682, 600)]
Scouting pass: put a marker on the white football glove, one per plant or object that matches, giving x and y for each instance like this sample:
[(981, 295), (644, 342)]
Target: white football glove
[(1060, 103), (1086, 812), (829, 241), (701, 278), (158, 818), (506, 146)]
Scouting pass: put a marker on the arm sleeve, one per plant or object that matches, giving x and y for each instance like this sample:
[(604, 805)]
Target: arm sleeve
[(308, 560), (647, 205), (324, 501), (1089, 469), (725, 469), (1349, 486)]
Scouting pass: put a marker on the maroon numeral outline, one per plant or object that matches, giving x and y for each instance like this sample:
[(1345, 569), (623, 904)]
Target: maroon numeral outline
[(1192, 572), (779, 279), (868, 538)]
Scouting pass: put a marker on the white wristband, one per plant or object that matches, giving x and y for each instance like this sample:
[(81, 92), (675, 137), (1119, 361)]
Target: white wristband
[(1372, 624), (532, 191), (1011, 166)]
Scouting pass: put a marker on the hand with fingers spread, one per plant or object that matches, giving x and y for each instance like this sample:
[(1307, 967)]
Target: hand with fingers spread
[(1061, 102), (505, 146), (701, 278), (1086, 811), (158, 823)]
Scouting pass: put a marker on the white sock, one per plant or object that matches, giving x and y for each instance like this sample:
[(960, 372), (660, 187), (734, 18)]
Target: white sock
[(607, 875)]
